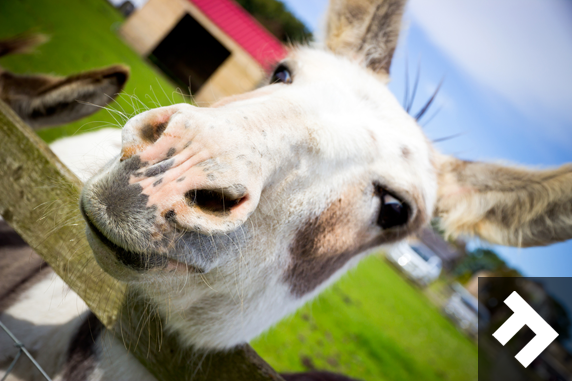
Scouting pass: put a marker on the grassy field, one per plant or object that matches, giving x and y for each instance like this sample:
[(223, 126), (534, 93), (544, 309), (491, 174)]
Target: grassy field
[(83, 36), (371, 325)]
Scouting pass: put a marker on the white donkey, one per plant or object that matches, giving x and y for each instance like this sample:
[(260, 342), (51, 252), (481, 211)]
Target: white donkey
[(230, 218)]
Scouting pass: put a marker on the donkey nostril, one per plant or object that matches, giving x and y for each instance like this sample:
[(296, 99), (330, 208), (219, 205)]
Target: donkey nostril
[(152, 132), (216, 200)]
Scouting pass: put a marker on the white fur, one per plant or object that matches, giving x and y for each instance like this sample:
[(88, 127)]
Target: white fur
[(45, 332), (87, 153)]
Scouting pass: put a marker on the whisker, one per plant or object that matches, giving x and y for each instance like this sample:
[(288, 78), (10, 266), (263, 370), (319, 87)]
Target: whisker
[(429, 102), (193, 101), (432, 116), (129, 99), (158, 104), (137, 102), (448, 137), (102, 124), (162, 89), (417, 76), (406, 97), (110, 109), (118, 104), (151, 99)]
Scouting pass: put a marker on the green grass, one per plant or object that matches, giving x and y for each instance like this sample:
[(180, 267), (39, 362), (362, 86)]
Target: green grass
[(372, 325), (83, 37)]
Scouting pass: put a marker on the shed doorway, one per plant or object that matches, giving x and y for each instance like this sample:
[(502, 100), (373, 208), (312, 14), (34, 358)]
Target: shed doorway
[(189, 54)]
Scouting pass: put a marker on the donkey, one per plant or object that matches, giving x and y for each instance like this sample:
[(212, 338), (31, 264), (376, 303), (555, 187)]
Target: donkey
[(44, 100), (231, 217)]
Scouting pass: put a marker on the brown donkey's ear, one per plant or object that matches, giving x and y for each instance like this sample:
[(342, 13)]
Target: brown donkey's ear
[(43, 101), (505, 205), (365, 29), (23, 43)]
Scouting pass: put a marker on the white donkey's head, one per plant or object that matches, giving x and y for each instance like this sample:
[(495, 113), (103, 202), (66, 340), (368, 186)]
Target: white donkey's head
[(231, 217)]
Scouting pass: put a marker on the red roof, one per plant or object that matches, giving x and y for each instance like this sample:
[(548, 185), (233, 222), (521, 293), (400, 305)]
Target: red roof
[(244, 30)]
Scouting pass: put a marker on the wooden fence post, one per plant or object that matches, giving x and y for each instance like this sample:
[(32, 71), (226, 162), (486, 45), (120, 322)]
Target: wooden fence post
[(38, 198)]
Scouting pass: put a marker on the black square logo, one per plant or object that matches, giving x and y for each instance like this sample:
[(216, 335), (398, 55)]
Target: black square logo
[(524, 330)]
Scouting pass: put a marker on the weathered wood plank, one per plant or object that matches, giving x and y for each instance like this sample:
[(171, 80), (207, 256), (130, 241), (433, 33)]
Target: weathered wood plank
[(38, 198)]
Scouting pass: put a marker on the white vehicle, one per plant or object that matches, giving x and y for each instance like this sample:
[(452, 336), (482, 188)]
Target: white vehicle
[(465, 311), (417, 261)]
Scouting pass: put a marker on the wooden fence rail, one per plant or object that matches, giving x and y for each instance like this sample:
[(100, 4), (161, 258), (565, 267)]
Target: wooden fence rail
[(38, 198)]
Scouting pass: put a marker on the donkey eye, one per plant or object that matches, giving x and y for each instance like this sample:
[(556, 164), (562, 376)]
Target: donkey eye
[(393, 212), (281, 74)]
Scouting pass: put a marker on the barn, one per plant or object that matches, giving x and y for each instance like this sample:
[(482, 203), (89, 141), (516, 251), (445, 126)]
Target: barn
[(212, 46)]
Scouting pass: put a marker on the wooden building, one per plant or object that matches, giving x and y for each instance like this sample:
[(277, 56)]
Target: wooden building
[(213, 46), (450, 256)]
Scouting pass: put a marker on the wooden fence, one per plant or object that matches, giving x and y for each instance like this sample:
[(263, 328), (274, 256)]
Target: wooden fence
[(39, 199)]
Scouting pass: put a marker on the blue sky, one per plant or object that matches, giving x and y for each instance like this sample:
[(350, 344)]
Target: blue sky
[(507, 90)]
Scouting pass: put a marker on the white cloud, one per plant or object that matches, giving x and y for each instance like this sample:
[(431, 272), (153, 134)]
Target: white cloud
[(522, 49)]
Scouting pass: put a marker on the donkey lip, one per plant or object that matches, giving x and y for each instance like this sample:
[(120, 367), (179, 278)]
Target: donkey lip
[(138, 261)]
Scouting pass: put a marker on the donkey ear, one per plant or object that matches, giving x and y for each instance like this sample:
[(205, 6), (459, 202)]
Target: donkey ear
[(23, 43), (366, 29), (505, 205), (43, 101)]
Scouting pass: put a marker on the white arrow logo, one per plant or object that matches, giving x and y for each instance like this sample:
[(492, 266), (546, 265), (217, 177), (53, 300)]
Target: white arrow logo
[(523, 315)]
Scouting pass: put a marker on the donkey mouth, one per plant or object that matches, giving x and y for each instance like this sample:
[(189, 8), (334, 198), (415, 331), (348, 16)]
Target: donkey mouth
[(137, 261)]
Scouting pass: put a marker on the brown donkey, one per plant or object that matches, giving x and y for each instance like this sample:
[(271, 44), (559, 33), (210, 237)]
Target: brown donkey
[(43, 100)]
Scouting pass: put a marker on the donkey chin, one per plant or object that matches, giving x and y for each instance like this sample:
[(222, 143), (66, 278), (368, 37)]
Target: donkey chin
[(178, 255)]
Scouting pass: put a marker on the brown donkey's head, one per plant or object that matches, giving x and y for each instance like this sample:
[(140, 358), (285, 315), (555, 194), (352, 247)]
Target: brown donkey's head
[(231, 217), (43, 100)]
